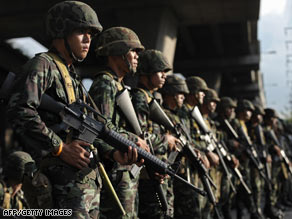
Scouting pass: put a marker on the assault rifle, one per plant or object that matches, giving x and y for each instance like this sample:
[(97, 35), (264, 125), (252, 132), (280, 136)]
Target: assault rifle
[(261, 140), (88, 129), (250, 150), (125, 104), (213, 144), (285, 158), (159, 116)]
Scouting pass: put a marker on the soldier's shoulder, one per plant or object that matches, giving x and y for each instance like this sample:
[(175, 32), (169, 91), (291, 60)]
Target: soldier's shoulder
[(39, 62)]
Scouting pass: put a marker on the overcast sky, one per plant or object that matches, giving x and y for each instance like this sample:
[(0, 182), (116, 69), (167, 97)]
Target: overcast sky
[(275, 16)]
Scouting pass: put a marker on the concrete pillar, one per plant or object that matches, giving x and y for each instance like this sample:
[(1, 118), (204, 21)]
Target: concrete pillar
[(156, 28)]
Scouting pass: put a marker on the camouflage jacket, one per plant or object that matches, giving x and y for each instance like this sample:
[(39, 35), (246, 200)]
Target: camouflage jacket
[(142, 108), (180, 116), (104, 91), (195, 131), (34, 125)]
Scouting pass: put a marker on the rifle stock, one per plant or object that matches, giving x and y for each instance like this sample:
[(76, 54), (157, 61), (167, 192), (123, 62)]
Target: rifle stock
[(159, 116), (211, 140), (125, 104)]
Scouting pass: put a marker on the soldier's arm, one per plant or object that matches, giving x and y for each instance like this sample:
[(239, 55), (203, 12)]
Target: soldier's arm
[(141, 107), (23, 105)]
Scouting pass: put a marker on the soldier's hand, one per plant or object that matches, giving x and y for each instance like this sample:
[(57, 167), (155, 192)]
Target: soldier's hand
[(127, 158), (213, 158), (278, 150), (205, 161), (269, 158), (172, 142), (160, 178), (75, 155), (235, 162), (142, 144)]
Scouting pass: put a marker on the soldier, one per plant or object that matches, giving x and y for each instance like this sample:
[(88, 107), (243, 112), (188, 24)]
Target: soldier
[(226, 110), (118, 47), (244, 112), (17, 165), (270, 123), (186, 203), (207, 109), (197, 87), (257, 136), (70, 26), (152, 69)]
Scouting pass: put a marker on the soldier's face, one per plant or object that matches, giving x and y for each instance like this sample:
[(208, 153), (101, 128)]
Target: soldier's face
[(132, 57), (200, 97), (212, 106), (79, 42), (247, 115), (179, 98), (229, 112), (158, 79)]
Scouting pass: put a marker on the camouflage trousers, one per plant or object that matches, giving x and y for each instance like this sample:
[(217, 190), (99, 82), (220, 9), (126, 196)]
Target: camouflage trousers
[(126, 188), (75, 189), (242, 199), (257, 186), (272, 196), (149, 206), (186, 201)]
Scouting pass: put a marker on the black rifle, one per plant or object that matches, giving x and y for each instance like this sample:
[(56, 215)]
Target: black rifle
[(261, 141), (125, 104), (159, 116), (285, 158), (88, 129), (250, 150), (213, 144)]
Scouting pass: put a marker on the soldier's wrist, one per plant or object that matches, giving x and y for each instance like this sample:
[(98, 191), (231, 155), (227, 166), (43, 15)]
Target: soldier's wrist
[(58, 150)]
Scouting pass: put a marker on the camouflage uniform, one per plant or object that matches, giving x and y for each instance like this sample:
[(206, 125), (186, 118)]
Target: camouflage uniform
[(116, 41), (227, 195), (272, 196), (151, 62), (246, 165), (257, 182), (216, 172), (185, 200), (196, 84), (72, 188)]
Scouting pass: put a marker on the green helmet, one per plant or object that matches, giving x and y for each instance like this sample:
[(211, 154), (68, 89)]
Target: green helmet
[(244, 105), (196, 84), (17, 164), (269, 113), (117, 41), (174, 85), (226, 102), (211, 95), (67, 16), (258, 110), (152, 61)]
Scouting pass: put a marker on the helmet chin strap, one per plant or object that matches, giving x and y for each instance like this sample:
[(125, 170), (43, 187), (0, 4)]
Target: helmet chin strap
[(69, 50), (130, 67)]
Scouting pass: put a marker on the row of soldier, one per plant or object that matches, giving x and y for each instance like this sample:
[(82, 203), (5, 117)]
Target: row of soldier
[(223, 155)]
